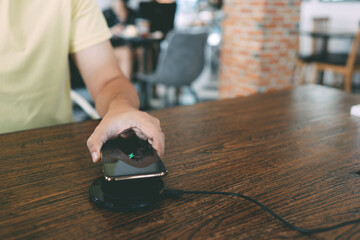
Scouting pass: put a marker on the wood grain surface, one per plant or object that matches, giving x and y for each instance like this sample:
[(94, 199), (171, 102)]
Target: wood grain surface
[(296, 151)]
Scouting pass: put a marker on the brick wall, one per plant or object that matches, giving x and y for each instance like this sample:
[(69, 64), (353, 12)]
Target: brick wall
[(258, 49)]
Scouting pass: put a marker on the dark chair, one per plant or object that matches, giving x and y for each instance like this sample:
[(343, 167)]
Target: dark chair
[(342, 63), (319, 24), (180, 62), (77, 83)]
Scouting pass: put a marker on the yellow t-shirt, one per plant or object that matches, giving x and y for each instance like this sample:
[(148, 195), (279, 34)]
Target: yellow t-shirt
[(36, 37)]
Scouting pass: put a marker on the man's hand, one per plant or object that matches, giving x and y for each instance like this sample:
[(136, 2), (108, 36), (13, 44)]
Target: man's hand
[(116, 100), (116, 122)]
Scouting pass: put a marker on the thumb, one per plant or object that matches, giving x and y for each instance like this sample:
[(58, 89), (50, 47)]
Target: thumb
[(94, 144)]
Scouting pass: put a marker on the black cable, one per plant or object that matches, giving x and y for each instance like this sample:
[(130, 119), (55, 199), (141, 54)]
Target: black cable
[(175, 192)]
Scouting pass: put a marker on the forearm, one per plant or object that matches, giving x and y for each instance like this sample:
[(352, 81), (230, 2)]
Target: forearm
[(118, 94), (116, 100), (107, 85)]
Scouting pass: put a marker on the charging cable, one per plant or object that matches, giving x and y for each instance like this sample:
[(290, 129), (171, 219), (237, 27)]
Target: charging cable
[(178, 193)]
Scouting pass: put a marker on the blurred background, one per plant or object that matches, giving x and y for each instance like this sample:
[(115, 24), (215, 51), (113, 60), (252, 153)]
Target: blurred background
[(188, 51)]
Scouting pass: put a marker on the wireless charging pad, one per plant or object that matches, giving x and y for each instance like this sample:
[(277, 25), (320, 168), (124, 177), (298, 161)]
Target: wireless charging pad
[(126, 195)]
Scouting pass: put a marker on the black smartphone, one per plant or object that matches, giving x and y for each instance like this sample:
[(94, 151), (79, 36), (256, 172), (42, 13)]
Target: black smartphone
[(130, 157)]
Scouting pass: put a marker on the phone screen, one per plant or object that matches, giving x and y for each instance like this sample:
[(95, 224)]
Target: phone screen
[(130, 158)]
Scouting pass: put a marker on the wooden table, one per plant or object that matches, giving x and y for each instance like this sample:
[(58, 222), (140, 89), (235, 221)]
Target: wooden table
[(296, 151)]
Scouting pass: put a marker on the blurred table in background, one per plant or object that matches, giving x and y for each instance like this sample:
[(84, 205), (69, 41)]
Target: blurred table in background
[(135, 42), (325, 36)]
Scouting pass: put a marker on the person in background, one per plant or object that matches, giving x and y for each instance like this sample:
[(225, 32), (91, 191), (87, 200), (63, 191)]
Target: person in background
[(134, 4), (118, 16), (35, 40)]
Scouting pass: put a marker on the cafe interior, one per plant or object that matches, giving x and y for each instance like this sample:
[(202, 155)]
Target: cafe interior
[(254, 99), (241, 49)]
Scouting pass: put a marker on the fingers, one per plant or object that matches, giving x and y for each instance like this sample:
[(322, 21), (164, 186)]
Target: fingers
[(159, 144), (96, 140), (150, 130), (94, 146), (144, 125)]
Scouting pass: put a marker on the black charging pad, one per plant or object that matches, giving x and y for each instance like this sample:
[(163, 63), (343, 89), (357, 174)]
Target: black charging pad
[(126, 195)]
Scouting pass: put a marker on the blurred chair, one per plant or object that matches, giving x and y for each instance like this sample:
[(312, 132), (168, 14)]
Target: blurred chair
[(319, 24), (76, 84), (342, 63), (84, 105), (181, 61)]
